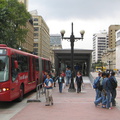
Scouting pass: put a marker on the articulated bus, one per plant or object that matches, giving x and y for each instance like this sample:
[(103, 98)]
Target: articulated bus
[(20, 72)]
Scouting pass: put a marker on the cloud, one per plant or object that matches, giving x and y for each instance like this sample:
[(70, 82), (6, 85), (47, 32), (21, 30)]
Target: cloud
[(90, 15), (81, 9)]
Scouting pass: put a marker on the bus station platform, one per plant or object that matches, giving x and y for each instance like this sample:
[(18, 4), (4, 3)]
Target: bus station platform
[(70, 106)]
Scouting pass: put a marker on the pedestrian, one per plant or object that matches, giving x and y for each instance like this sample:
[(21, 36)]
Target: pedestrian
[(60, 79), (106, 94), (53, 77), (113, 82), (44, 78), (68, 76), (48, 84), (98, 92), (63, 74), (100, 99), (79, 81)]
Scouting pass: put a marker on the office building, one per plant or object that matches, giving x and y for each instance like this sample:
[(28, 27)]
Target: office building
[(55, 43), (25, 2), (41, 36), (100, 43), (112, 35), (118, 49)]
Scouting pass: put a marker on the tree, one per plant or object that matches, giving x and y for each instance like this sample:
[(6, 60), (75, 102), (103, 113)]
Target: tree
[(13, 18)]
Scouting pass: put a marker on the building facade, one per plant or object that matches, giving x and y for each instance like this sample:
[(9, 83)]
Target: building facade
[(100, 43), (118, 49), (28, 44), (55, 43), (25, 2), (110, 55), (41, 36), (109, 58), (112, 35)]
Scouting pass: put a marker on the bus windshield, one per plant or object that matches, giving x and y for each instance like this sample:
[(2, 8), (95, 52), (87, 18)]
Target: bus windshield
[(4, 68)]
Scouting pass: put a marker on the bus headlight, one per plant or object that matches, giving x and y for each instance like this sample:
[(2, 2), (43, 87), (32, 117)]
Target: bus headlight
[(5, 89)]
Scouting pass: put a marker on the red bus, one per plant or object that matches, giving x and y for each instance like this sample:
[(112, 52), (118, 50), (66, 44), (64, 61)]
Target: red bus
[(20, 72)]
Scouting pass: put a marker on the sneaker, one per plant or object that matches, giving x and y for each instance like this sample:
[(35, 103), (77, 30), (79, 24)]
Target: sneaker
[(51, 103), (47, 104), (114, 105), (109, 108), (95, 104), (103, 106)]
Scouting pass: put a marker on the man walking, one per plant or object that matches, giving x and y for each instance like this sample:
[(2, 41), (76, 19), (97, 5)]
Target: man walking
[(48, 84), (113, 82)]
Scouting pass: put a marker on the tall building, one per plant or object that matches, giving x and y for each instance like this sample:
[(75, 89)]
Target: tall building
[(28, 44), (118, 49), (41, 36), (25, 2), (55, 43), (100, 43), (112, 35), (55, 40)]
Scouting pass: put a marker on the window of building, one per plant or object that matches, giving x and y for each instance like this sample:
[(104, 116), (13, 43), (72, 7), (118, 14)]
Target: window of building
[(35, 40), (36, 28), (35, 34), (35, 23), (35, 50), (35, 44), (35, 19)]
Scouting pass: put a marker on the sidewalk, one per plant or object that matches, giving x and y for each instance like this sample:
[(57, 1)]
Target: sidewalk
[(68, 106)]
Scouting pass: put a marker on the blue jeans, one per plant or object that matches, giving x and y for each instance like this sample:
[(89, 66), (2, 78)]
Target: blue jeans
[(60, 87), (100, 99), (108, 99), (67, 79), (113, 97), (98, 94)]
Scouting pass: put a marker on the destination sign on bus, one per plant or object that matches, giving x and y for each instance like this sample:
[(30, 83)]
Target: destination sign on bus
[(2, 51)]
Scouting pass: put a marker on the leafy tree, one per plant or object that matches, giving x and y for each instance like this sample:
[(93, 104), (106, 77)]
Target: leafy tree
[(13, 18)]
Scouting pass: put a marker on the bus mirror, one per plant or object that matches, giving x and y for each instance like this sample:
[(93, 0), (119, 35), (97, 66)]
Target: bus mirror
[(16, 64)]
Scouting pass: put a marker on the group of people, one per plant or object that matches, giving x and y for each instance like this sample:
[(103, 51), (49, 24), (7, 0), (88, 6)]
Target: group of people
[(105, 86), (50, 81)]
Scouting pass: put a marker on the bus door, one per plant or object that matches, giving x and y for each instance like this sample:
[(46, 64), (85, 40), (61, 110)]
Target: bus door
[(34, 69), (14, 76), (30, 69)]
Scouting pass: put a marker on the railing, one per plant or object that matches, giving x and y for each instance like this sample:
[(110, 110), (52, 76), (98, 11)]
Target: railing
[(91, 78), (39, 90)]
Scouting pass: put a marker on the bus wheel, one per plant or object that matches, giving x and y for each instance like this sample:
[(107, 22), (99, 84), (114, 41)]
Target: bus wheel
[(21, 93)]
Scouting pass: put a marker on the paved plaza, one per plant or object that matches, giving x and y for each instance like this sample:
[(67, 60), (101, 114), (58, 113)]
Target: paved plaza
[(69, 106)]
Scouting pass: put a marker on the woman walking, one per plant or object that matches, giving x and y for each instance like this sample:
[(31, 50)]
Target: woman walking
[(79, 81), (60, 79)]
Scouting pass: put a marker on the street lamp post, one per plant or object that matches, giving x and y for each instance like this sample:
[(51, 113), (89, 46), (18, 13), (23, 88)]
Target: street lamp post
[(72, 40)]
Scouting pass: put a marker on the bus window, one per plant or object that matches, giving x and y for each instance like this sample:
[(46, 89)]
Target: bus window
[(4, 68), (36, 64), (43, 65), (14, 71), (22, 63)]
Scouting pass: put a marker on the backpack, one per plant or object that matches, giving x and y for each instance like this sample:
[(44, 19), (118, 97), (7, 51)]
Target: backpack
[(113, 83), (99, 84), (96, 82)]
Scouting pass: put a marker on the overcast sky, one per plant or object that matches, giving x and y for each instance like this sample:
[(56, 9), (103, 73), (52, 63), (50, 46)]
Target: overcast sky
[(93, 16)]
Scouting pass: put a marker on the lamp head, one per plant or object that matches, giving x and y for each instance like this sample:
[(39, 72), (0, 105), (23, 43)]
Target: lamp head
[(62, 33), (82, 33)]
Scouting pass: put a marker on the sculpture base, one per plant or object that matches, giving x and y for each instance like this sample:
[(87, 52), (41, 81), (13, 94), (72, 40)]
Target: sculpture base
[(72, 88)]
